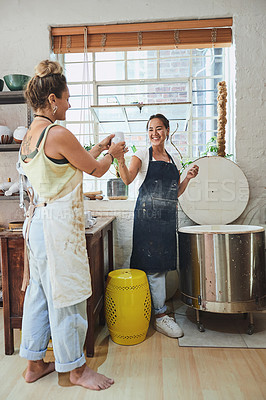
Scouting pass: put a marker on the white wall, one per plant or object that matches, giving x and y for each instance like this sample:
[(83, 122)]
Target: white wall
[(24, 38)]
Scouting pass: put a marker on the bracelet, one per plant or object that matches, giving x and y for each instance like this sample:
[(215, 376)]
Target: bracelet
[(110, 155)]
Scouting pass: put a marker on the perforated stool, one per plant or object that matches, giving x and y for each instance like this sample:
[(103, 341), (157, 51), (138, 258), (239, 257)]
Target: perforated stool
[(127, 306)]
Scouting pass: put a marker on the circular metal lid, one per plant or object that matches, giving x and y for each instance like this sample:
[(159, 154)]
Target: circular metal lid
[(229, 229), (218, 195)]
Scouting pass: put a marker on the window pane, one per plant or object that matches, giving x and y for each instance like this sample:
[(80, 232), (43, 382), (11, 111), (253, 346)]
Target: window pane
[(171, 111), (174, 68), (149, 93), (79, 72), (111, 127), (110, 70), (207, 66), (81, 128), (204, 111), (174, 53), (76, 115), (204, 96), (203, 83), (75, 57), (204, 125), (79, 89), (142, 69), (202, 137), (109, 55), (197, 150), (109, 114), (79, 102), (140, 54)]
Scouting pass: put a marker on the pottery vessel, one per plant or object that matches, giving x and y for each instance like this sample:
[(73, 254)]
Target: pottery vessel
[(19, 133), (116, 189), (16, 81), (119, 137), (6, 136)]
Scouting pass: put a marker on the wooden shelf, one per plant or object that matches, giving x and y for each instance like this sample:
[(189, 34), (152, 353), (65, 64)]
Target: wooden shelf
[(9, 147), (12, 97), (16, 197)]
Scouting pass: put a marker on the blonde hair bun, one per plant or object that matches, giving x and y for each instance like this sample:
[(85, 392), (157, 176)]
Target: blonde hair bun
[(47, 67)]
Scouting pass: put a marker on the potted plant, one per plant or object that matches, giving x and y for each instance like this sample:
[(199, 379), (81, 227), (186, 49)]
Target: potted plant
[(212, 148), (116, 189)]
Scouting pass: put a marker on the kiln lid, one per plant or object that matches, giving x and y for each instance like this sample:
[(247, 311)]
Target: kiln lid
[(218, 195)]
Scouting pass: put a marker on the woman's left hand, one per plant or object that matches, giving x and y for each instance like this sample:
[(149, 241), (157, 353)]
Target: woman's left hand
[(193, 172), (106, 143)]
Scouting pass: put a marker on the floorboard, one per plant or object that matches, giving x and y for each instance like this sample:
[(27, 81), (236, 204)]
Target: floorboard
[(157, 369)]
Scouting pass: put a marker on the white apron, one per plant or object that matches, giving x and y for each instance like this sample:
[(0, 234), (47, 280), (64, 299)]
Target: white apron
[(64, 235)]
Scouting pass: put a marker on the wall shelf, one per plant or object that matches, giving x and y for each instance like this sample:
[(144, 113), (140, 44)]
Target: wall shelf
[(15, 197), (12, 97), (15, 97), (9, 147)]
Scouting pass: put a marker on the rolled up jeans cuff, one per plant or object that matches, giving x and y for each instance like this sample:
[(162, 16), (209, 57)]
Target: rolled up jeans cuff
[(70, 366), (161, 310), (32, 355)]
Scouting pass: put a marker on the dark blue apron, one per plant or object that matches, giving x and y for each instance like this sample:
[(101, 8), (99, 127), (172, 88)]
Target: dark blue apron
[(154, 233)]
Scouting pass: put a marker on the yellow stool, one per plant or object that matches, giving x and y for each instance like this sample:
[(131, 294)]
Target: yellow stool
[(127, 306)]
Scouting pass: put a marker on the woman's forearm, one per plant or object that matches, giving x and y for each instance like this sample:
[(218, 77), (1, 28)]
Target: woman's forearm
[(182, 187), (124, 172), (96, 150), (102, 166)]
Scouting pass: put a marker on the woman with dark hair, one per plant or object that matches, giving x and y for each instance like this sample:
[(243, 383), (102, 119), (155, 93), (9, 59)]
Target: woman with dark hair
[(57, 276), (154, 233)]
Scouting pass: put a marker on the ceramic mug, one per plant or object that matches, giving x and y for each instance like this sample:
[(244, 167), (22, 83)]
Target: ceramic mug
[(119, 137), (87, 215), (89, 220)]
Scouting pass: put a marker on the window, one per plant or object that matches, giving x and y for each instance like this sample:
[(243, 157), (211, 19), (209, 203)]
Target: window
[(111, 80)]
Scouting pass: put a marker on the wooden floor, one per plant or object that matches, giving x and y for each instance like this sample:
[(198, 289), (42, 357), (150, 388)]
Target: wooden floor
[(157, 369)]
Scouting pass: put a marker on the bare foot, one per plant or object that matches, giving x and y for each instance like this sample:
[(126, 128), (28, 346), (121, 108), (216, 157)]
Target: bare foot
[(38, 369), (86, 377)]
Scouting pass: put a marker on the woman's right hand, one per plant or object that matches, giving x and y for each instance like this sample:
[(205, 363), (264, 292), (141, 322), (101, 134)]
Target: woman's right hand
[(118, 150)]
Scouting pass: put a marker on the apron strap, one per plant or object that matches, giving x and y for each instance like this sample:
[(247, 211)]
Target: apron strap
[(150, 155), (29, 214)]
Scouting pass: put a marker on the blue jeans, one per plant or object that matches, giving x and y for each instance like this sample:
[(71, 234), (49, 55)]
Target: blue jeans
[(67, 325), (157, 283)]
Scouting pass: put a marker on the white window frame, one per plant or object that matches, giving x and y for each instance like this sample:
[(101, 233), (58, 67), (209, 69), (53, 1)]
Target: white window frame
[(226, 75)]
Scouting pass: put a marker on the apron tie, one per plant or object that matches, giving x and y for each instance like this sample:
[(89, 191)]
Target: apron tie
[(29, 215)]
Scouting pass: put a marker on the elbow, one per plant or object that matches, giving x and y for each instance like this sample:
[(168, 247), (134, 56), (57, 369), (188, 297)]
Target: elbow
[(126, 181), (98, 173)]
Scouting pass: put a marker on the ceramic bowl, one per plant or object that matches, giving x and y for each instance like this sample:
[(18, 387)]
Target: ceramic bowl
[(6, 136), (16, 81), (19, 133), (1, 85)]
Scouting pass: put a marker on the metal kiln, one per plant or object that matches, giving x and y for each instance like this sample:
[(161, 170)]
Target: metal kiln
[(222, 267)]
